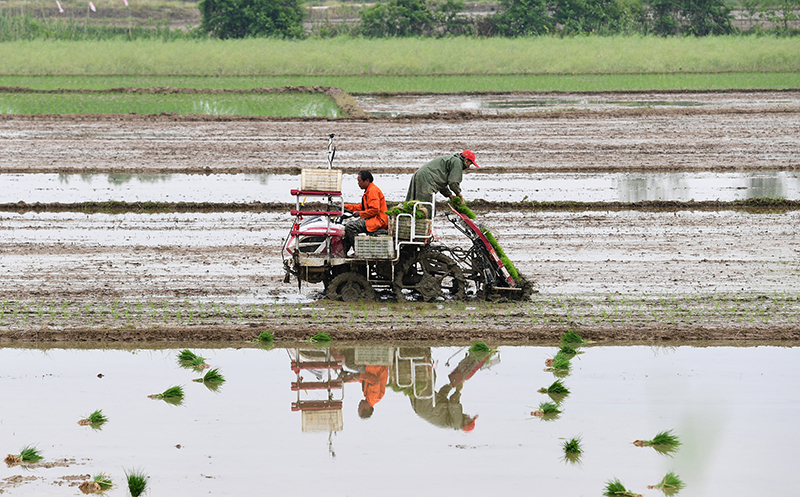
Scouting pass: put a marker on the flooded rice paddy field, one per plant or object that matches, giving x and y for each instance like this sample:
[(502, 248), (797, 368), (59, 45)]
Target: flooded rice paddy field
[(515, 187), (259, 430), (695, 270), (497, 104)]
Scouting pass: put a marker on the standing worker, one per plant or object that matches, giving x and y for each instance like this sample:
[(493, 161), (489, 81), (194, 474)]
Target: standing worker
[(369, 215), (442, 174)]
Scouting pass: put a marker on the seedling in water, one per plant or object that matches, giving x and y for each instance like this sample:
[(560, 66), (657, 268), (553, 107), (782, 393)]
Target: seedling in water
[(547, 410), (568, 350), (559, 365), (100, 483), (664, 442), (557, 389), (95, 419), (28, 453), (212, 379), (572, 449), (137, 482), (616, 488), (172, 395), (671, 484), (265, 336), (188, 359)]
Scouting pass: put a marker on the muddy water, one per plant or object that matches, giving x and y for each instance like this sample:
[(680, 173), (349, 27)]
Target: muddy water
[(226, 188), (494, 104), (734, 421)]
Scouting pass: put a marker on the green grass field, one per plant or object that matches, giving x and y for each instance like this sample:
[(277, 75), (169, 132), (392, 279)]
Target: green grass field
[(275, 105), (403, 57), (437, 84)]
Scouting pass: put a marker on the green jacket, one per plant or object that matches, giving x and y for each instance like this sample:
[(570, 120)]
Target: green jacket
[(442, 174)]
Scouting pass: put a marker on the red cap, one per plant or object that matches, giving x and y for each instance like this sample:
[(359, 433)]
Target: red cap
[(471, 425), (469, 155)]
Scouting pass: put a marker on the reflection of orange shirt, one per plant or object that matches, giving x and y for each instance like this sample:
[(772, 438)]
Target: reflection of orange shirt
[(373, 383), (372, 208)]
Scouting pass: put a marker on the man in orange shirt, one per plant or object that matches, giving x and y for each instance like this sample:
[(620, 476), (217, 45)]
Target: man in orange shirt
[(369, 215)]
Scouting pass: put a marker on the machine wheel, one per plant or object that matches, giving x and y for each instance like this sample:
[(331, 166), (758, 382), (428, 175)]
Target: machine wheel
[(431, 275), (350, 287)]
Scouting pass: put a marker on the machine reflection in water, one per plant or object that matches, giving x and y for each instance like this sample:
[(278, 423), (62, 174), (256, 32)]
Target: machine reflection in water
[(321, 374)]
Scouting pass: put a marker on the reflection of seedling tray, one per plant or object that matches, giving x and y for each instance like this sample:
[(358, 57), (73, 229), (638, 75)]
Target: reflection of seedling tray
[(321, 180), (323, 420), (374, 247), (374, 356), (402, 226)]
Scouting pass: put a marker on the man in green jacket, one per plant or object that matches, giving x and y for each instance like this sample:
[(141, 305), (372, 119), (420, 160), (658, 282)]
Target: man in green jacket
[(442, 174)]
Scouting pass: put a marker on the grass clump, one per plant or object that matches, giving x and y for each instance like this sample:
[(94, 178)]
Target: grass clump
[(265, 337), (95, 419), (568, 350), (172, 395), (671, 484), (28, 454), (461, 206), (137, 482), (615, 488)]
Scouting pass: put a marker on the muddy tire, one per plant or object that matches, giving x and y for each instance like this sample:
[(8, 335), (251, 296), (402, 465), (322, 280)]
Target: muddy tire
[(350, 287), (430, 275)]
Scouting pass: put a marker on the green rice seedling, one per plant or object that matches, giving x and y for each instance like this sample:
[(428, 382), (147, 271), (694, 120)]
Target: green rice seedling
[(265, 336), (568, 350), (188, 359), (671, 484), (103, 481), (461, 206), (212, 376), (614, 488), (480, 347), (572, 338), (28, 454), (99, 484), (95, 419), (172, 395), (572, 449), (547, 410), (556, 388), (572, 446), (137, 482), (664, 442), (321, 337)]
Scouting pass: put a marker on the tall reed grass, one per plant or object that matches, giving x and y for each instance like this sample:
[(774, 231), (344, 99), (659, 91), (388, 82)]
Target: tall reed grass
[(345, 56)]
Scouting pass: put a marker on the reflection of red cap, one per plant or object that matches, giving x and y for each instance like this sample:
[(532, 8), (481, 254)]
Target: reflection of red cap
[(469, 155), (471, 425)]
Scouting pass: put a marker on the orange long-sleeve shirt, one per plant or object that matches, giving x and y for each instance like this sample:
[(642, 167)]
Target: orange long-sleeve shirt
[(372, 208)]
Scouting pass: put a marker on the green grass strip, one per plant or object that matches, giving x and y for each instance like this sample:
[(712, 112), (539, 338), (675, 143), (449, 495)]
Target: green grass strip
[(344, 56), (491, 83)]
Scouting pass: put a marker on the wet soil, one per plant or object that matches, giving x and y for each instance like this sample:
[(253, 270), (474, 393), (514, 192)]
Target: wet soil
[(735, 274)]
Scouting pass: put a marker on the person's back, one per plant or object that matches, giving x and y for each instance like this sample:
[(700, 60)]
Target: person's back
[(442, 174)]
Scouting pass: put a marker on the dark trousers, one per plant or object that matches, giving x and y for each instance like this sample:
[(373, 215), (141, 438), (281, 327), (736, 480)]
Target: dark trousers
[(351, 229)]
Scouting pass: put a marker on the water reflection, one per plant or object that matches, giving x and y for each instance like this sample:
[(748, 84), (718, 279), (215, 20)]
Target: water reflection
[(321, 374), (229, 188)]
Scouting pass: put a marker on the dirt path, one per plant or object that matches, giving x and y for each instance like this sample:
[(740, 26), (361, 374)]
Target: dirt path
[(218, 276)]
